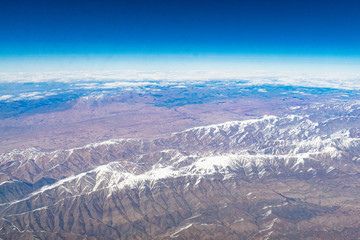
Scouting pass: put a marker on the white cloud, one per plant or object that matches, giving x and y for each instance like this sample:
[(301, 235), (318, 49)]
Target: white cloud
[(93, 80), (125, 84), (29, 96), (6, 97)]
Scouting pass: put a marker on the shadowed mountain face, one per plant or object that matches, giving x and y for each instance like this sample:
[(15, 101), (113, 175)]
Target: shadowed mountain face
[(286, 167)]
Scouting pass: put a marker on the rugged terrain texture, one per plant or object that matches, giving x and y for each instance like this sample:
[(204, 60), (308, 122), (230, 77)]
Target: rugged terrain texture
[(294, 176)]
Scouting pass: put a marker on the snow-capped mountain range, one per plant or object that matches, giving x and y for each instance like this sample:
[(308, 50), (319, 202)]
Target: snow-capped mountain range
[(204, 180)]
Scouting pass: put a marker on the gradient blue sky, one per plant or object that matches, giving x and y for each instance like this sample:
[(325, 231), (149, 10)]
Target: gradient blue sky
[(88, 34)]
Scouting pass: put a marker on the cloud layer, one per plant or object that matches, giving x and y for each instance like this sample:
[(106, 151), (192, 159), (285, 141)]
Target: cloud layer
[(32, 86)]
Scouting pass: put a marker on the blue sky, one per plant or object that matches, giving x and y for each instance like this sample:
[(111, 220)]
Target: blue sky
[(110, 34)]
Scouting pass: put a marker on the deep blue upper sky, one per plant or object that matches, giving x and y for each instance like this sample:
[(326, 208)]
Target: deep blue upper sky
[(195, 27)]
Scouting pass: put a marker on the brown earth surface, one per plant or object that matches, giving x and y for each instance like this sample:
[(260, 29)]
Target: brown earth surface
[(85, 123)]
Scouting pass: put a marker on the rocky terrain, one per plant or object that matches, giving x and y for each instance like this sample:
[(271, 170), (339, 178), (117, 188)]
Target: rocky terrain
[(290, 176)]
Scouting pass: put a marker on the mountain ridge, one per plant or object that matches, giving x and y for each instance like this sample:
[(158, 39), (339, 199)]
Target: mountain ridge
[(175, 186)]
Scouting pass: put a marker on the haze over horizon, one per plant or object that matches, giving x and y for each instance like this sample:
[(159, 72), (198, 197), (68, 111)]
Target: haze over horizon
[(171, 35)]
